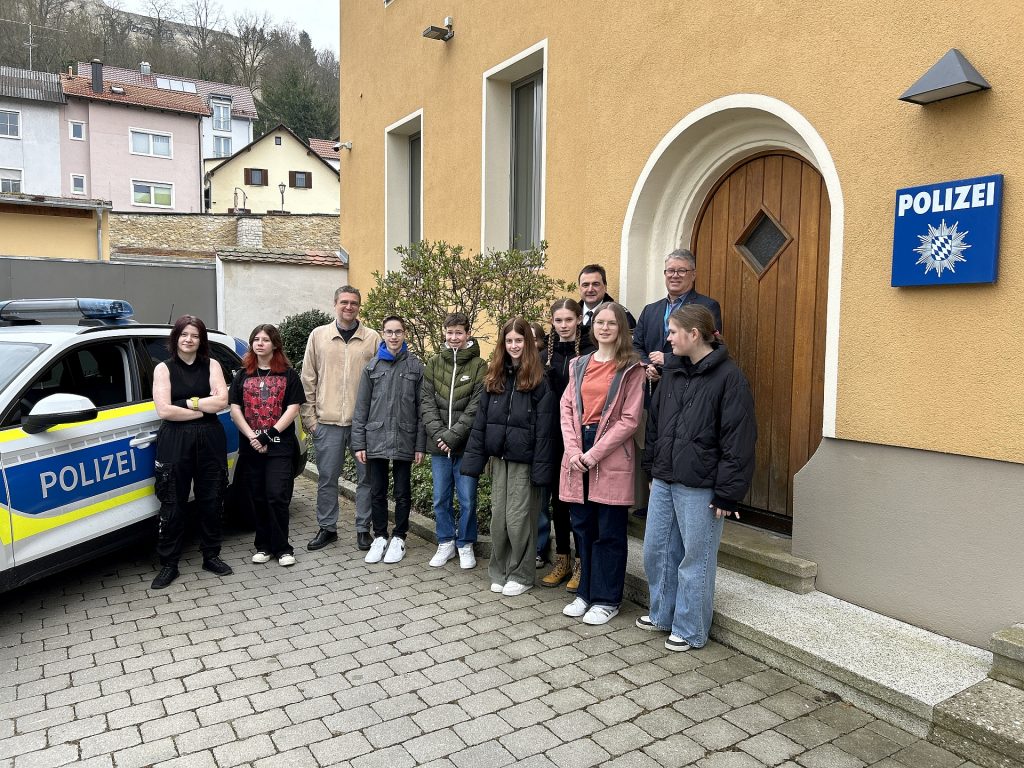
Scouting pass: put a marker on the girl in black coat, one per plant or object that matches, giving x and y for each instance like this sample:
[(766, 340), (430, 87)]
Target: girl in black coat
[(700, 452), (513, 428)]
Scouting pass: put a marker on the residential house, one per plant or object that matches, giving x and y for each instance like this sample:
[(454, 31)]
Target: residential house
[(138, 147), (328, 149), (769, 139), (229, 124), (278, 171), (30, 124)]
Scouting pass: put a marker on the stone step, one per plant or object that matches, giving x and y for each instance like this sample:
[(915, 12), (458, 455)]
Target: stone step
[(984, 724), (1008, 656), (766, 556)]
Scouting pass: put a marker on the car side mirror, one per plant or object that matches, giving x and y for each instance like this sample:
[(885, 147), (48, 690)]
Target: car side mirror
[(58, 409)]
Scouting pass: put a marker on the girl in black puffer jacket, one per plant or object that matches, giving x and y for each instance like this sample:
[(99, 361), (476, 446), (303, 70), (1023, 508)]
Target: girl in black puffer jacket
[(513, 426), (700, 452)]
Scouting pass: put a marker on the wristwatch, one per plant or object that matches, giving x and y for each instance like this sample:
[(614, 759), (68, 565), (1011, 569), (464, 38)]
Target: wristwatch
[(194, 403)]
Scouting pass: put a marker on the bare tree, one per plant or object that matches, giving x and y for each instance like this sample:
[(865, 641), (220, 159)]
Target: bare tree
[(249, 46), (203, 22)]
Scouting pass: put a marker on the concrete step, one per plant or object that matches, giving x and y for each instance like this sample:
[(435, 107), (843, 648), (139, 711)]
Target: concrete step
[(766, 556), (984, 724), (1008, 656)]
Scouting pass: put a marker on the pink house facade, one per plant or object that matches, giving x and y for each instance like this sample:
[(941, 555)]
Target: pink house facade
[(140, 148)]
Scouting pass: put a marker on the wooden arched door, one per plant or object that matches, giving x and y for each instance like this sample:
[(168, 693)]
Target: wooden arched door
[(761, 242)]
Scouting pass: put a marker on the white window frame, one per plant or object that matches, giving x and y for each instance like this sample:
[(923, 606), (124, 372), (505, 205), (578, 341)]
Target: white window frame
[(71, 130), (82, 177), (13, 112), (222, 139), (20, 179), (151, 133), (397, 167), (496, 151), (152, 196), (220, 102)]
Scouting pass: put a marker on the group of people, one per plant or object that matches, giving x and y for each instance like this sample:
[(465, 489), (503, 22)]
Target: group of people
[(574, 421)]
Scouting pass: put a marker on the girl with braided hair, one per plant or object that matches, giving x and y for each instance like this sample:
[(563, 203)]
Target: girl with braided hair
[(567, 340)]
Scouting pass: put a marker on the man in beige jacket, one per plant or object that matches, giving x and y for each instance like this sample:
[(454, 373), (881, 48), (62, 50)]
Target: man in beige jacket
[(336, 354)]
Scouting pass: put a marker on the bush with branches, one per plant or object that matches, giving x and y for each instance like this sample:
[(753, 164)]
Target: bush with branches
[(438, 278), (295, 330)]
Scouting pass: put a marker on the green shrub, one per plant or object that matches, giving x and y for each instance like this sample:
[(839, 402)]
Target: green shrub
[(295, 330)]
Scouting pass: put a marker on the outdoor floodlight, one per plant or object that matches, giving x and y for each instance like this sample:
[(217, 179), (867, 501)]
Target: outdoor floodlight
[(952, 75), (444, 34), (343, 145)]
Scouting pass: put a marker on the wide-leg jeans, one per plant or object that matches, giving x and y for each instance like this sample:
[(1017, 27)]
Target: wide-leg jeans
[(680, 559), (449, 482)]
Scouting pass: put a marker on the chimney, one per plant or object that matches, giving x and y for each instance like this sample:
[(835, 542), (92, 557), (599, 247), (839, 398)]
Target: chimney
[(97, 76), (145, 69)]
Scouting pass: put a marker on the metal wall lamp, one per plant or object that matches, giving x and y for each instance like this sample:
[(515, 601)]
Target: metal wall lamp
[(952, 75), (444, 34)]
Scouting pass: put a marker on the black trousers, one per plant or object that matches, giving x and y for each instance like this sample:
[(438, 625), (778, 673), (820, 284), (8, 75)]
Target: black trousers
[(269, 482), (563, 525), (190, 455), (377, 469)]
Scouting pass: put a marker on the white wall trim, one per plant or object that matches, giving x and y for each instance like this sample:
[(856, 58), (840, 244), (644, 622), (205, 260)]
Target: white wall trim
[(680, 173), (495, 144), (396, 184)]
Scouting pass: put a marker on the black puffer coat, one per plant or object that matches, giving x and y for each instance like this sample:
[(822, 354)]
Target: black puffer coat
[(515, 426), (560, 353), (701, 429)]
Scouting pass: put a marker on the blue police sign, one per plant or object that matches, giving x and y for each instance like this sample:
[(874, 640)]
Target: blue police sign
[(947, 233)]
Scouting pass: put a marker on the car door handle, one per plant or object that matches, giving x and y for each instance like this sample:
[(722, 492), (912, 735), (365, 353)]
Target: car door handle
[(141, 440)]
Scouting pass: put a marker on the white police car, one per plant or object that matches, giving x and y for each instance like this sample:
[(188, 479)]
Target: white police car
[(78, 430)]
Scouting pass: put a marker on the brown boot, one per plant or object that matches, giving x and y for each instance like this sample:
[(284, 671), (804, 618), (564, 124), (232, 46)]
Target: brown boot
[(574, 582), (560, 571)]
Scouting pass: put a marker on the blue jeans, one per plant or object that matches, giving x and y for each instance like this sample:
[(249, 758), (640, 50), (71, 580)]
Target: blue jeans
[(448, 480), (680, 559)]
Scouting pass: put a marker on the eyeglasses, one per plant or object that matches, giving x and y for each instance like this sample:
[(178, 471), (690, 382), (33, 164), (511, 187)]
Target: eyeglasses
[(678, 272), (348, 303), (398, 332)]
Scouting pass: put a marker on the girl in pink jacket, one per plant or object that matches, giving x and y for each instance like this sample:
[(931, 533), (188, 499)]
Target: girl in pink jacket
[(600, 410)]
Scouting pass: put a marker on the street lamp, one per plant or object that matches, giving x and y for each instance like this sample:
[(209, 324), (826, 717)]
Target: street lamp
[(281, 187)]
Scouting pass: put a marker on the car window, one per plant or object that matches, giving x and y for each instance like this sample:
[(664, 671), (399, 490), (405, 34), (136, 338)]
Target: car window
[(98, 371), (229, 361), (15, 356)]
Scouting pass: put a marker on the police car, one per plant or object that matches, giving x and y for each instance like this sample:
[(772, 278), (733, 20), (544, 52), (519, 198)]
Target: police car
[(78, 430)]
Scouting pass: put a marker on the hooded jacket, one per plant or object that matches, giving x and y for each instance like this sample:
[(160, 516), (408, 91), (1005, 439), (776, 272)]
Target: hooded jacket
[(452, 382), (701, 430), (514, 426), (386, 421), (611, 457)]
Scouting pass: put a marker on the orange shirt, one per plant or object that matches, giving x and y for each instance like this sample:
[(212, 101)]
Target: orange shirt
[(597, 379)]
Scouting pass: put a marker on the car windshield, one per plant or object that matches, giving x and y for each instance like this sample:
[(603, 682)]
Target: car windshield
[(14, 356)]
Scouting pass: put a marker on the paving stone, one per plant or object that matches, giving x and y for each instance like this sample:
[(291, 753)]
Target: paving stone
[(431, 746), (441, 716), (243, 751), (842, 716), (145, 754), (715, 734), (392, 732), (581, 753), (771, 747), (753, 718), (829, 756), (529, 741), (921, 754), (574, 725), (340, 748), (261, 722), (204, 738), (482, 729), (62, 754), (352, 720), (808, 731), (614, 710), (622, 738), (868, 745), (675, 751), (490, 753), (730, 760)]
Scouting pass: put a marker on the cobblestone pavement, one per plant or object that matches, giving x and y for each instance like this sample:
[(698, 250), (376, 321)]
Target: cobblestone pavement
[(335, 662)]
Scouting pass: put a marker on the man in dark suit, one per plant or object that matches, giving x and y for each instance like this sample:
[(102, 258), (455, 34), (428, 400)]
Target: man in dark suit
[(650, 337), (593, 292)]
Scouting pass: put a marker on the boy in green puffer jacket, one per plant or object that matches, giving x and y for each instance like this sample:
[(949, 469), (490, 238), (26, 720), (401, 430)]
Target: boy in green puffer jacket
[(452, 382)]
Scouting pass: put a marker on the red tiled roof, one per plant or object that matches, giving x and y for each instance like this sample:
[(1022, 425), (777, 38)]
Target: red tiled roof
[(311, 258), (324, 148), (136, 96)]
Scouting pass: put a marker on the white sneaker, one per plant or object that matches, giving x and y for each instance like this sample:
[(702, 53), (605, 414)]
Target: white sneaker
[(396, 550), (445, 552), (513, 588), (467, 559), (286, 560), (497, 588), (376, 550), (600, 614), (261, 557), (576, 608)]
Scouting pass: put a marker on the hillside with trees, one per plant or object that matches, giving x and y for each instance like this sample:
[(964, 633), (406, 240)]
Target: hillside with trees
[(293, 82)]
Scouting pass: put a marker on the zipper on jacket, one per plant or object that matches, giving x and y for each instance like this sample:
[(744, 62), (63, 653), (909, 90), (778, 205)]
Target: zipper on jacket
[(508, 413), (451, 390)]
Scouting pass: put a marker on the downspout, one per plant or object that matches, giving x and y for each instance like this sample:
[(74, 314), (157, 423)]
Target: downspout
[(99, 234), (202, 177)]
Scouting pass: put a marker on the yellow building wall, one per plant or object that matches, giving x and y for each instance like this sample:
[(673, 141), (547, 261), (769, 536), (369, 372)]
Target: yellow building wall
[(938, 368), (291, 155), (52, 235)]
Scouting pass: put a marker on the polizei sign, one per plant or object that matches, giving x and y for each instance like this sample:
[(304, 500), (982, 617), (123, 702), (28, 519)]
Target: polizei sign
[(947, 233)]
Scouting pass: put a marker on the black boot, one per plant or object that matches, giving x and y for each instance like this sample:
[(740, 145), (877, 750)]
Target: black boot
[(216, 565), (322, 539), (364, 540)]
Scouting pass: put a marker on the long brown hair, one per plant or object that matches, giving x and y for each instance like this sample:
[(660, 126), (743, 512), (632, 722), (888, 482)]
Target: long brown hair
[(625, 354), (530, 372), (203, 349), (279, 362)]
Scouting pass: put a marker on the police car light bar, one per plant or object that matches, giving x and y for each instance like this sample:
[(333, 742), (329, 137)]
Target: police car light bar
[(22, 310)]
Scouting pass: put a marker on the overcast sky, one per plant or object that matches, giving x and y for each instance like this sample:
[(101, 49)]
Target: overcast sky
[(318, 17)]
